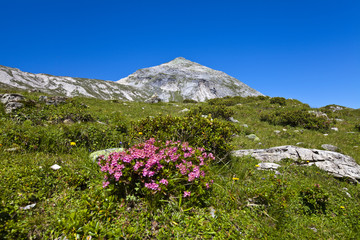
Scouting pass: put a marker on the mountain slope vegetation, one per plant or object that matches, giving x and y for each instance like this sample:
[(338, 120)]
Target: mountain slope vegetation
[(38, 202)]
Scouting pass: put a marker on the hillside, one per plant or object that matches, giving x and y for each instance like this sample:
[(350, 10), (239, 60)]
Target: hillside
[(51, 189)]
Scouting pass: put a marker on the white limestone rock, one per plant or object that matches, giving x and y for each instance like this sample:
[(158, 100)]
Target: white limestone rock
[(337, 164)]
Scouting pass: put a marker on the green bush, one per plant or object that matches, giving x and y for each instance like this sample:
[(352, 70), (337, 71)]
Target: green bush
[(278, 100), (189, 101), (357, 126), (296, 118), (314, 199), (159, 171), (211, 134), (217, 111), (232, 101)]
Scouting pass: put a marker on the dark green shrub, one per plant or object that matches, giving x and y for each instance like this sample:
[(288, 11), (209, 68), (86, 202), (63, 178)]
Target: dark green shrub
[(357, 126), (278, 100), (211, 134), (314, 199), (296, 118), (189, 101), (217, 111), (232, 101)]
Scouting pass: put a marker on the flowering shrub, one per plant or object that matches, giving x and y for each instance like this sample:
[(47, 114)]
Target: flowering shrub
[(159, 170), (213, 135)]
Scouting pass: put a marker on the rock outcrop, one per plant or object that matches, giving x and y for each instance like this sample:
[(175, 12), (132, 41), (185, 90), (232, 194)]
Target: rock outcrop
[(337, 164), (12, 101), (182, 79)]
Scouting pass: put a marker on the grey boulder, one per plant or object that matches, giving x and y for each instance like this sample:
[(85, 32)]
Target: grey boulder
[(337, 164)]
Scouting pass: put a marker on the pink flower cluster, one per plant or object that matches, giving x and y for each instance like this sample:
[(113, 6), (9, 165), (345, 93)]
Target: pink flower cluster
[(150, 162)]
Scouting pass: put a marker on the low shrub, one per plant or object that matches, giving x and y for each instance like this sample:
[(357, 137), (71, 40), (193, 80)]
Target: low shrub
[(217, 111), (314, 199), (211, 134), (159, 170), (296, 118), (189, 101), (357, 126), (278, 100), (232, 101)]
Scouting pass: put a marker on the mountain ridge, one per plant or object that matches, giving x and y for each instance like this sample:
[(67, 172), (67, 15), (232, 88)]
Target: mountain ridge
[(175, 80)]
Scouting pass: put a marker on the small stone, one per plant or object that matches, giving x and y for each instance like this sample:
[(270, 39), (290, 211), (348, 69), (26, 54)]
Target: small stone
[(300, 143), (330, 147), (68, 121), (55, 167), (231, 119), (277, 131), (253, 137), (335, 129), (268, 166), (284, 130), (245, 125), (14, 149), (326, 134), (28, 206), (185, 110), (296, 131)]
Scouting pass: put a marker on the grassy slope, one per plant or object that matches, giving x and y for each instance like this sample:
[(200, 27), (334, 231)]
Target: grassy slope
[(245, 203)]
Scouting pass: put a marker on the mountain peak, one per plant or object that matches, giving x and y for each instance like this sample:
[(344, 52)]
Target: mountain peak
[(183, 79), (180, 61)]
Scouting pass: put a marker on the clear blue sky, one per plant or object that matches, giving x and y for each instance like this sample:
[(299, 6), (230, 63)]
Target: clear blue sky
[(307, 50)]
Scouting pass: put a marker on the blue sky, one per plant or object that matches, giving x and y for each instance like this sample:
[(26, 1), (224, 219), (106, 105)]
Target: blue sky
[(307, 50)]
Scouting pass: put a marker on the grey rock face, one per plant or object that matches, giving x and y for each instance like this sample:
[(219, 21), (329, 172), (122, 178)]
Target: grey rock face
[(182, 79), (337, 164)]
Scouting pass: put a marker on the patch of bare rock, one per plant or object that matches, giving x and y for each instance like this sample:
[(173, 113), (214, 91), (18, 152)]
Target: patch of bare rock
[(337, 164)]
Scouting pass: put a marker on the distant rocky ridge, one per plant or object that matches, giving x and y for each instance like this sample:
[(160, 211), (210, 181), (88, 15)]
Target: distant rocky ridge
[(183, 79), (69, 86), (176, 80)]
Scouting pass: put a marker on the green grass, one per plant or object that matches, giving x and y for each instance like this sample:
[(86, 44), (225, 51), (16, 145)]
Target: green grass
[(245, 203)]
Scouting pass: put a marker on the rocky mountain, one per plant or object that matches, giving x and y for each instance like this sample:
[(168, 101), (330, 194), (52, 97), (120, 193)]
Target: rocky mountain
[(183, 79), (173, 81), (68, 86)]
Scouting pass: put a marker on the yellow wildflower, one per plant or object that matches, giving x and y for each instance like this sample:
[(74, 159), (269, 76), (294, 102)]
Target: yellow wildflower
[(342, 207), (257, 165), (0, 145), (140, 133), (73, 143), (235, 178)]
